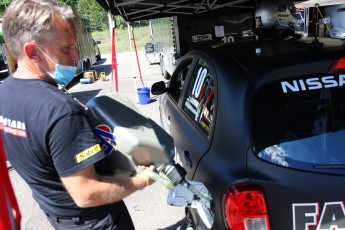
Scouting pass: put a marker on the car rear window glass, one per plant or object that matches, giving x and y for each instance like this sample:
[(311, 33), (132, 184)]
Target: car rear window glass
[(199, 103), (301, 121)]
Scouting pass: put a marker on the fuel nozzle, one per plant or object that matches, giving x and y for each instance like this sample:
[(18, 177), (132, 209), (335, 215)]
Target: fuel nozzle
[(189, 194), (176, 173)]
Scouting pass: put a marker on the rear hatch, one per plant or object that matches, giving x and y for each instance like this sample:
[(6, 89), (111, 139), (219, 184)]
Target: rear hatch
[(298, 152)]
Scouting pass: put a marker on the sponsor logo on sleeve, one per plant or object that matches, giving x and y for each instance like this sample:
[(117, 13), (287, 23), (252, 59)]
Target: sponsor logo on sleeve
[(87, 153)]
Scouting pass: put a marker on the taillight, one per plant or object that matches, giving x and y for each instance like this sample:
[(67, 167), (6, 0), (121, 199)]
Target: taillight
[(245, 208), (337, 65)]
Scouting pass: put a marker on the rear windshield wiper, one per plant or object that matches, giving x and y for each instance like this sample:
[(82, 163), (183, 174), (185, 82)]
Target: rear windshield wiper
[(331, 166)]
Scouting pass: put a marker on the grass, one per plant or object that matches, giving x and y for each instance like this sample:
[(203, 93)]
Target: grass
[(141, 35)]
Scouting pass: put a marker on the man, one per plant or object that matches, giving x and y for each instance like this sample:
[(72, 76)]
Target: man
[(45, 132)]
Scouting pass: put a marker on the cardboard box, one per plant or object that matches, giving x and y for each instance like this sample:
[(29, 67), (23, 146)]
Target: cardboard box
[(102, 76), (91, 74)]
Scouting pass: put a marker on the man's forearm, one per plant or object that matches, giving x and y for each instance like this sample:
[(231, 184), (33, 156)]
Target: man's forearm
[(88, 189), (119, 188)]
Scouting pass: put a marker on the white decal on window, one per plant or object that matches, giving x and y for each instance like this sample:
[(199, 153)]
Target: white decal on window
[(202, 72), (313, 83)]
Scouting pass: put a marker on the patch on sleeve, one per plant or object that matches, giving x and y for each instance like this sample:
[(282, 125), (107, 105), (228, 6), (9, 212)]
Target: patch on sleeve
[(87, 153)]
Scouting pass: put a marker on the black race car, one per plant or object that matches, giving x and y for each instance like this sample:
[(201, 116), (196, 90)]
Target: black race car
[(262, 125)]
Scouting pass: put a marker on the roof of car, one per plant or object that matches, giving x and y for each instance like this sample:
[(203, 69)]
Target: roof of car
[(255, 57)]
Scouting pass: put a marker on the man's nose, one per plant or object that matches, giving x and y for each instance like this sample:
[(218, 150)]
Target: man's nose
[(75, 54)]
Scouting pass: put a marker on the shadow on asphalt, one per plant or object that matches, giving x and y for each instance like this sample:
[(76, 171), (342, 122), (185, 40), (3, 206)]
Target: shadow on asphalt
[(100, 67), (102, 61), (152, 100), (178, 226)]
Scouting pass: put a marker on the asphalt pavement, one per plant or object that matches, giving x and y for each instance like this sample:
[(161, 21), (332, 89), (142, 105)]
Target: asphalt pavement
[(148, 207)]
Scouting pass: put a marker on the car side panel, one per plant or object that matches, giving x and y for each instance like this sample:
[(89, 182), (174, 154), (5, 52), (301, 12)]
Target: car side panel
[(190, 143)]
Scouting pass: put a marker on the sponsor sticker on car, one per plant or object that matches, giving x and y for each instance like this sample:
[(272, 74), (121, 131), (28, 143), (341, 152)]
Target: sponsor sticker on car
[(313, 83)]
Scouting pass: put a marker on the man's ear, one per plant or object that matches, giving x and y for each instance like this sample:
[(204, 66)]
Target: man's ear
[(31, 51)]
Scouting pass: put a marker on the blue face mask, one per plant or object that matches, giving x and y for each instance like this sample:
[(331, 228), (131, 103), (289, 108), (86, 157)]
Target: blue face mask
[(64, 74)]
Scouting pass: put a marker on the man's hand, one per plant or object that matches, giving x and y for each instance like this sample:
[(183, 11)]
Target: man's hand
[(144, 172)]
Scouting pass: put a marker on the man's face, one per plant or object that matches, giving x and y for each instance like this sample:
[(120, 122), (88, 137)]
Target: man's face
[(62, 47)]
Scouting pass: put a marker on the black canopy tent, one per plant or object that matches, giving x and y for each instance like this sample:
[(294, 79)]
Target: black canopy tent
[(135, 10)]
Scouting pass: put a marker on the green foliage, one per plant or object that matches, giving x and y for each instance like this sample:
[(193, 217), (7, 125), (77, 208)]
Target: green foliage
[(94, 12), (91, 10), (3, 5), (70, 2), (120, 22)]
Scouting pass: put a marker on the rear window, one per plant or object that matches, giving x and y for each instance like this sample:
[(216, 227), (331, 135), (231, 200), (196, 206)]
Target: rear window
[(301, 121)]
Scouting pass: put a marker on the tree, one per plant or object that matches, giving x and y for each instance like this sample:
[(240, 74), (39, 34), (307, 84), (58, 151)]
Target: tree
[(120, 22), (73, 3), (3, 5), (94, 12)]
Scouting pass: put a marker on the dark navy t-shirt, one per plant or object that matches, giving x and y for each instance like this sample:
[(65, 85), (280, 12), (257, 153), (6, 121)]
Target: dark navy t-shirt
[(46, 136)]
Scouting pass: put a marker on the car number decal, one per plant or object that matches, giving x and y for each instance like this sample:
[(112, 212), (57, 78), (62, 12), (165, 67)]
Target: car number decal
[(202, 72), (192, 102)]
